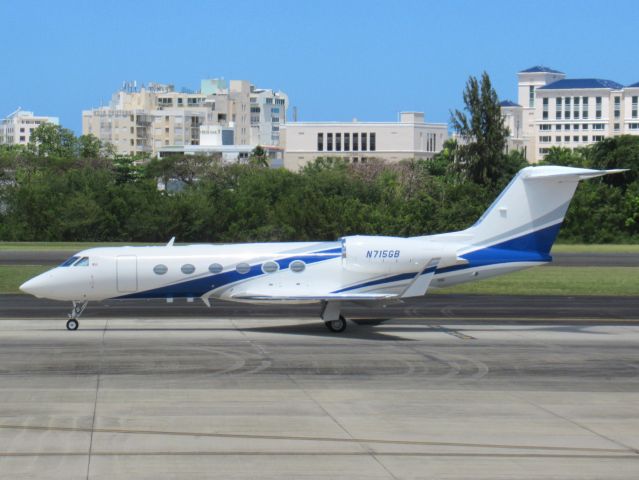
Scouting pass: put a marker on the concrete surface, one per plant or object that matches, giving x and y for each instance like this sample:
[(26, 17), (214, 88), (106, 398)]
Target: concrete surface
[(196, 397)]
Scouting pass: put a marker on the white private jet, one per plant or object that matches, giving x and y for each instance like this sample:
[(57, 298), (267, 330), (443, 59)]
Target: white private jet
[(517, 231)]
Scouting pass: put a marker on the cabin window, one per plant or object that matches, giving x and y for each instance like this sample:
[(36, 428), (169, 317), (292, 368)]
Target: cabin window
[(83, 262), (297, 266), (270, 267), (69, 261), (160, 269), (215, 268), (243, 268), (187, 269)]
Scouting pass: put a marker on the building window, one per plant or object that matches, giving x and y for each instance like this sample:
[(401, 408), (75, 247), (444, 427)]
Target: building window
[(545, 127), (584, 126), (558, 138), (531, 96), (597, 138), (575, 138), (598, 126), (187, 269), (566, 138), (355, 140), (329, 142), (544, 139), (363, 142), (338, 142), (617, 126), (584, 138), (372, 142), (320, 142), (558, 127), (633, 126), (617, 107), (160, 269), (347, 142), (215, 268)]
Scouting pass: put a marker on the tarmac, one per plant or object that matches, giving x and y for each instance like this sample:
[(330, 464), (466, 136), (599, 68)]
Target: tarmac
[(451, 386)]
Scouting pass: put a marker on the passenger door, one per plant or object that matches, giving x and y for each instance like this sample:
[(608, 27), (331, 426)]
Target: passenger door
[(127, 273)]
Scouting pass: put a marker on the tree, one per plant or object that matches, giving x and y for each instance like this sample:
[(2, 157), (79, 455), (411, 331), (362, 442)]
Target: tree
[(482, 132), (53, 141), (258, 157)]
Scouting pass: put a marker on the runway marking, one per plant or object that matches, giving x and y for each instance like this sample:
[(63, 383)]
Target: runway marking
[(315, 454), (450, 331), (634, 453)]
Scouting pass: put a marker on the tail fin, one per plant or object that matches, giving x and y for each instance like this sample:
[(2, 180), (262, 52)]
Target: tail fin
[(527, 215)]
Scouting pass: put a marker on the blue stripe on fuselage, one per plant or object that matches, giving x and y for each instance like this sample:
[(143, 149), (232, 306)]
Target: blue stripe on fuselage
[(197, 287)]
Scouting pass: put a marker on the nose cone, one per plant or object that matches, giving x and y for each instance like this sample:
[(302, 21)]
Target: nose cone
[(37, 286)]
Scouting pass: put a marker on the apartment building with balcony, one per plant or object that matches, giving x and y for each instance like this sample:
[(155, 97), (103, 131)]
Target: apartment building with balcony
[(17, 127), (152, 117), (359, 142), (555, 111)]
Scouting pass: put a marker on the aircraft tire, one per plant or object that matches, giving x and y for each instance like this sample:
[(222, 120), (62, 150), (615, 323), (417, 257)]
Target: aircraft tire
[(336, 326), (72, 324)]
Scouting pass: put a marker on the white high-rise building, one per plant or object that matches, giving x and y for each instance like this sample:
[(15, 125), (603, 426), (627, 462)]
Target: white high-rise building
[(555, 111), (153, 117), (16, 128)]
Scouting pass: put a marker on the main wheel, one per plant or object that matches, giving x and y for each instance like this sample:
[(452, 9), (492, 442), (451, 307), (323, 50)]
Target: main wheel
[(336, 326), (72, 324)]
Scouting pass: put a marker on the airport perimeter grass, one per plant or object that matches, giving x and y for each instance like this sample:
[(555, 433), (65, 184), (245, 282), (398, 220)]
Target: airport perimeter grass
[(545, 280)]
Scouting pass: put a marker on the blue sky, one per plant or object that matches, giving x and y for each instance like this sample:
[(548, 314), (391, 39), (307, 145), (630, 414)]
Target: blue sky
[(335, 59)]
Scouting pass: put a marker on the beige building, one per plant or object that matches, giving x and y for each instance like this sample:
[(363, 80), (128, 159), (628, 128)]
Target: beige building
[(17, 127), (146, 119), (555, 111), (410, 138)]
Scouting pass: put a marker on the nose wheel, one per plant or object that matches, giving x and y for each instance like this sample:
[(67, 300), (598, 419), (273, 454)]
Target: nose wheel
[(72, 324), (76, 311)]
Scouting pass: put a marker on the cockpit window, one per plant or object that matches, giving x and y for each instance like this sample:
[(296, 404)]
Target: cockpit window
[(83, 262), (69, 261)]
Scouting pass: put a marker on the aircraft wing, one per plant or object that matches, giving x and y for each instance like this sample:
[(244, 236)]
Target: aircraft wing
[(421, 282), (329, 296)]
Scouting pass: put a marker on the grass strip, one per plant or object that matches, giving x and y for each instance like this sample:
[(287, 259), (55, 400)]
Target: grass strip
[(549, 280)]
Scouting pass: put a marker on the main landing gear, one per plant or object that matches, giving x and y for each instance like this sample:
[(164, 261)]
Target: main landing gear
[(76, 312), (332, 317), (336, 326)]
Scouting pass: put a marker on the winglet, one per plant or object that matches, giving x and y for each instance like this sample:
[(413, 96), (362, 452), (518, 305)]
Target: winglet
[(421, 282), (171, 242)]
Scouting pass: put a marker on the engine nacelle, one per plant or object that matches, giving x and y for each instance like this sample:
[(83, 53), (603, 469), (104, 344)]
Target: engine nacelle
[(395, 255), (372, 254)]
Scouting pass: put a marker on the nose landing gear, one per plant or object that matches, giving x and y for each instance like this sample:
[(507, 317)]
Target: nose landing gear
[(76, 312)]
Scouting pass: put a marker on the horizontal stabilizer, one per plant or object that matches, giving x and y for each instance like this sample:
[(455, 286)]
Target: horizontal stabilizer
[(567, 173)]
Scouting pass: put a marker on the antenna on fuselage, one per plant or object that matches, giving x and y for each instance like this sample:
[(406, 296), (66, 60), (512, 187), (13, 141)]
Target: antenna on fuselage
[(171, 242)]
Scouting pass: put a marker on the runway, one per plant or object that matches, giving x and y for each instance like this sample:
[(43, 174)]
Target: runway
[(455, 387)]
